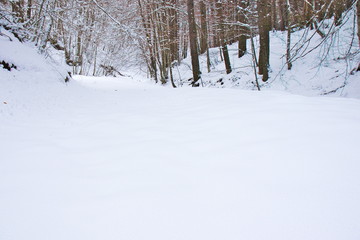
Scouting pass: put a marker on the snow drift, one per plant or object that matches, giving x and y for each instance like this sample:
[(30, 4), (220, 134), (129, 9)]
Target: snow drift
[(28, 65)]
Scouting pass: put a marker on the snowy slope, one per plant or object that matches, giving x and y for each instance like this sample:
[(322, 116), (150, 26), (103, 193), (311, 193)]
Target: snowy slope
[(113, 158), (325, 70), (31, 67)]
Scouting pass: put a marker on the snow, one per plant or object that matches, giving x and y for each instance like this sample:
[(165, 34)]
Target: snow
[(116, 158), (323, 71), (122, 158)]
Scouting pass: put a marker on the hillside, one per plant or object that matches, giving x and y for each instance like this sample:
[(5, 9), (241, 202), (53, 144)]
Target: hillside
[(328, 68)]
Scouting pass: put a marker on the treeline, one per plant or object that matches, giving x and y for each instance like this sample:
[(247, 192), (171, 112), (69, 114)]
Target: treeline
[(174, 25), (95, 35), (90, 40)]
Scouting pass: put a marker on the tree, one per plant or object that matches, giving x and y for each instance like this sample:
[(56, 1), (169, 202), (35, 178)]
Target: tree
[(193, 43), (288, 38), (204, 46), (264, 24), (221, 29), (203, 32), (17, 9), (358, 19), (243, 29)]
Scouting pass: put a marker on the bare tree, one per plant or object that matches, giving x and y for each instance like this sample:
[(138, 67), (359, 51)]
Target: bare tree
[(193, 43), (264, 23), (221, 28), (288, 38), (358, 19), (243, 29)]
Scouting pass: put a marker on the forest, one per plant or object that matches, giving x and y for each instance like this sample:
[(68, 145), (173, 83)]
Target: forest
[(98, 37)]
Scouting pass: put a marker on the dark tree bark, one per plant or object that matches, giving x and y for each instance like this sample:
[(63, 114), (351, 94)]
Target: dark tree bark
[(264, 23), (214, 32), (244, 31), (282, 15), (339, 8), (174, 31), (204, 45), (308, 13), (358, 19), (29, 6), (226, 59), (17, 9), (193, 43), (150, 48), (274, 19), (288, 40), (204, 33), (225, 51), (295, 6)]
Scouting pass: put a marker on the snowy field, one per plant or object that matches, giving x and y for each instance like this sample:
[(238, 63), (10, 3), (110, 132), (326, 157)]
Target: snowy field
[(113, 158)]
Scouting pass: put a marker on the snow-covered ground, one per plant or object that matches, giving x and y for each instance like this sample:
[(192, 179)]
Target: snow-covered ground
[(122, 158), (114, 158), (325, 68)]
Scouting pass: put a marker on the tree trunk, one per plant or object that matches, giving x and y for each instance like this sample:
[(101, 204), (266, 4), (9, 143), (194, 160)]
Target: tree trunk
[(264, 22), (146, 21), (242, 46), (172, 77), (226, 59), (208, 63), (215, 35), (273, 15), (288, 40), (174, 31), (282, 15), (29, 6), (254, 60), (203, 36), (339, 7), (17, 9), (193, 43), (358, 19), (308, 13), (243, 30), (222, 36), (296, 11)]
